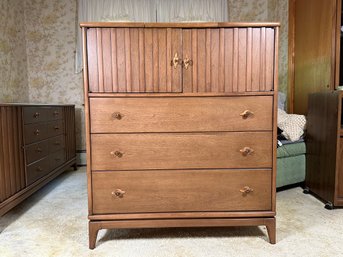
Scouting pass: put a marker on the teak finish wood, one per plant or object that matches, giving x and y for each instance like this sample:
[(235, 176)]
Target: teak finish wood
[(181, 190), (324, 170), (180, 114), (218, 150), (218, 115), (37, 144)]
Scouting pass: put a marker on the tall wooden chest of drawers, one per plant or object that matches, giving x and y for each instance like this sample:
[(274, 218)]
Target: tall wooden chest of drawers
[(37, 144), (181, 124)]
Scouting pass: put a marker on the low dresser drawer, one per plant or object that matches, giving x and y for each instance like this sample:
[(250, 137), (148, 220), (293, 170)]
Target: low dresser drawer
[(55, 128), (181, 114), (56, 143), (35, 132), (36, 151), (181, 150), (37, 170), (181, 190), (34, 114), (56, 159), (55, 113)]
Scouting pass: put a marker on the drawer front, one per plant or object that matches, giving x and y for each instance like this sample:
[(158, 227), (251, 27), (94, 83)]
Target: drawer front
[(35, 132), (55, 113), (55, 128), (37, 170), (36, 151), (181, 114), (57, 159), (181, 151), (34, 114), (56, 143), (181, 190)]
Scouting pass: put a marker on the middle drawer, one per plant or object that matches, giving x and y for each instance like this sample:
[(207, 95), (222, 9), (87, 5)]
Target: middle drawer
[(181, 114), (181, 150)]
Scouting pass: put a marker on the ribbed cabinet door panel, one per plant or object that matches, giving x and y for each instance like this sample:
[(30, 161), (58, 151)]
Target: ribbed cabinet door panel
[(134, 60), (228, 59)]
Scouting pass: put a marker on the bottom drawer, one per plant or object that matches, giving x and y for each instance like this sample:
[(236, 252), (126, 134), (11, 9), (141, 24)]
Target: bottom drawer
[(57, 159), (177, 190), (36, 170)]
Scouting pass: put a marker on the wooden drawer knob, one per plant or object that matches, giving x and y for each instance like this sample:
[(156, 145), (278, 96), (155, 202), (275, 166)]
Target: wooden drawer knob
[(246, 190), (36, 115), (117, 115), (118, 193), (39, 169), (246, 151), (56, 127), (56, 113), (36, 132), (57, 143), (117, 154), (39, 150), (246, 114)]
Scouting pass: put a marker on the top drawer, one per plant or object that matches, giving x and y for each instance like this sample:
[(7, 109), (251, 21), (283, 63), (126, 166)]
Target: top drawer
[(36, 114), (181, 114)]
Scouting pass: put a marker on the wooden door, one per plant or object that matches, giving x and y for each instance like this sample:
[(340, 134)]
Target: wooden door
[(314, 50), (228, 59), (133, 59)]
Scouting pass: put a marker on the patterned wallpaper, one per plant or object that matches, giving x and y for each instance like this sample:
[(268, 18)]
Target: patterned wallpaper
[(13, 66), (266, 10), (50, 41)]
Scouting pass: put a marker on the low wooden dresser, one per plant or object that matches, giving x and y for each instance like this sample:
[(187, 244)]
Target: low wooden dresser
[(37, 144), (181, 124)]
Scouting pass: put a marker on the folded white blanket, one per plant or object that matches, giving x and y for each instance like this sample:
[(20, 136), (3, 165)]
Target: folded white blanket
[(292, 125)]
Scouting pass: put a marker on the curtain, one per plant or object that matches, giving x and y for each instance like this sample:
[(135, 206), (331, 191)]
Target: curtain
[(146, 11), (191, 10)]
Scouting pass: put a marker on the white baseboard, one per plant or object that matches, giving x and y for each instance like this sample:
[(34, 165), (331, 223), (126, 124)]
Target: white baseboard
[(81, 159)]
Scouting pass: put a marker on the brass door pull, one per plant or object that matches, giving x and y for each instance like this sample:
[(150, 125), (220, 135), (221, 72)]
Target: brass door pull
[(117, 115), (118, 193), (175, 61), (246, 151), (246, 190), (246, 114), (117, 154), (187, 62)]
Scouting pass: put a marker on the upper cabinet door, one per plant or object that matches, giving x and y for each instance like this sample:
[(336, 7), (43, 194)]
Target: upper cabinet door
[(228, 59), (134, 60)]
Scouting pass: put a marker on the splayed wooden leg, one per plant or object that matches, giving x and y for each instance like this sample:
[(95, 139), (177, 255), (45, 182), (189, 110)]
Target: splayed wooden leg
[(93, 233), (271, 228)]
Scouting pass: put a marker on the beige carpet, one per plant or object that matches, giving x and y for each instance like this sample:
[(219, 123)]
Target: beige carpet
[(53, 222)]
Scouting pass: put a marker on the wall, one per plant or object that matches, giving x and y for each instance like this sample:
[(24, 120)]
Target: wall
[(266, 10), (50, 42), (13, 63)]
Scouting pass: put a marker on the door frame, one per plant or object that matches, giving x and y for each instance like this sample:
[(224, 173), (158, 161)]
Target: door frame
[(291, 51)]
